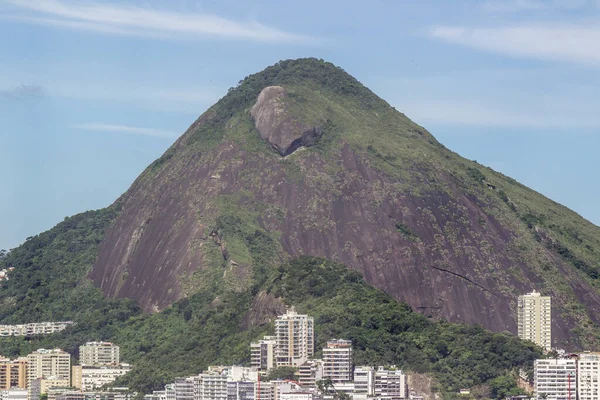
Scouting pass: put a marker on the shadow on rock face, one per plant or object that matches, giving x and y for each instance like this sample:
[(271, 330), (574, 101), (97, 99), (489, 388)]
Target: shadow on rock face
[(277, 126)]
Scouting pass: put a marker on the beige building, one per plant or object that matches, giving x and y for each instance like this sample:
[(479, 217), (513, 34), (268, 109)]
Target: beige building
[(262, 353), (295, 336), (90, 378), (13, 373), (41, 386), (99, 353), (337, 361), (535, 319), (45, 363), (588, 376)]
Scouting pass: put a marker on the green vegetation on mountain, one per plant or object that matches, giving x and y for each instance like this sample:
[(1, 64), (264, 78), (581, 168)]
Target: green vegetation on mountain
[(204, 330), (382, 181)]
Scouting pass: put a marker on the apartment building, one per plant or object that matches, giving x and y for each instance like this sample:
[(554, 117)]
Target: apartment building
[(13, 373), (184, 388), (45, 363), (33, 329), (295, 336), (534, 317), (310, 372), (390, 383), (265, 391), (588, 376), (99, 353), (364, 383), (89, 378), (555, 379), (262, 353), (240, 390), (13, 394), (41, 386), (337, 361), (210, 386)]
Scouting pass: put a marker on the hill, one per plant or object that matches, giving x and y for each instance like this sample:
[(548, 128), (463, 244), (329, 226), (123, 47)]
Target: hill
[(302, 159), (296, 162)]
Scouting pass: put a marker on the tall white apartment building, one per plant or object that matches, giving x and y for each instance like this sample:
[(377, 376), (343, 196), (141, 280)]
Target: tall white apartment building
[(390, 384), (364, 383), (45, 363), (337, 361), (555, 379), (262, 353), (588, 376), (534, 313), (295, 336), (99, 353)]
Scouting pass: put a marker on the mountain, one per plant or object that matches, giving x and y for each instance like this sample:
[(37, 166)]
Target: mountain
[(302, 159), (302, 187)]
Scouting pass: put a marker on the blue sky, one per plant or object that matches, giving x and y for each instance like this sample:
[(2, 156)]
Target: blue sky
[(92, 92)]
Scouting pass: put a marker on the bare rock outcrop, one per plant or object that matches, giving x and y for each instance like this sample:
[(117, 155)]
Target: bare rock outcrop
[(277, 126)]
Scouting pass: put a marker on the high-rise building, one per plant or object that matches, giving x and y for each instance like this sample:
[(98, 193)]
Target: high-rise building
[(555, 379), (45, 363), (390, 384), (535, 319), (99, 353), (364, 383), (262, 353), (295, 336), (337, 361), (588, 376), (13, 373)]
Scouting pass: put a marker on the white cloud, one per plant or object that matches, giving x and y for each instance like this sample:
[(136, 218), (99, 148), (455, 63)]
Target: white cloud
[(142, 21), (458, 112), (21, 92), (132, 130), (570, 43), (511, 6)]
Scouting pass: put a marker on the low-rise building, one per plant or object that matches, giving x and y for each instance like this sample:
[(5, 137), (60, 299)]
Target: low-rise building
[(89, 378), (13, 394), (310, 372), (99, 353), (34, 329)]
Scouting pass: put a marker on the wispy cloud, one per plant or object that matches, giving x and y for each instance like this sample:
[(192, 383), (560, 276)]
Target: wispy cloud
[(21, 92), (143, 21), (570, 43), (131, 130), (511, 6)]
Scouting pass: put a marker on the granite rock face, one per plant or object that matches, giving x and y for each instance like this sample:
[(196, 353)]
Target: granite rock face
[(411, 216), (278, 126)]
